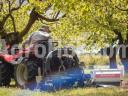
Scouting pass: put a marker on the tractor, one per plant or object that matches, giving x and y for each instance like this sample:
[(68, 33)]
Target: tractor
[(56, 69), (27, 69)]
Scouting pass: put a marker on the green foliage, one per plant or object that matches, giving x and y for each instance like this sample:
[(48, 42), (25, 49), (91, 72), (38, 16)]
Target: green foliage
[(97, 19)]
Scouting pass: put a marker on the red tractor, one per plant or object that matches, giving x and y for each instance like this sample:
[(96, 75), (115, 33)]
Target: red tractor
[(24, 69)]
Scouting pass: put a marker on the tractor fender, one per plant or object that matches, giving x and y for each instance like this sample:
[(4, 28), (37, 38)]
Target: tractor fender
[(17, 61)]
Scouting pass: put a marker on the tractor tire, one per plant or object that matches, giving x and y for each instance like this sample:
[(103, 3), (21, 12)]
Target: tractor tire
[(26, 72), (6, 71)]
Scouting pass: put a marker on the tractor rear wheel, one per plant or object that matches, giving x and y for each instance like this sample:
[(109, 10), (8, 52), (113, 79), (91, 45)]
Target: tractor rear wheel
[(26, 72)]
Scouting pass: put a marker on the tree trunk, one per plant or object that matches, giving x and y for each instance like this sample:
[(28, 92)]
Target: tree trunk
[(16, 37), (124, 61), (32, 19), (123, 54), (111, 52), (113, 63), (2, 23)]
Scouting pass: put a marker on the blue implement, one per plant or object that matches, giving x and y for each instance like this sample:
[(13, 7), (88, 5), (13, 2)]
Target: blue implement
[(70, 78)]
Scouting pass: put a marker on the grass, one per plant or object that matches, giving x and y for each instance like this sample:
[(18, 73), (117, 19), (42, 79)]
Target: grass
[(88, 60), (71, 92), (96, 60)]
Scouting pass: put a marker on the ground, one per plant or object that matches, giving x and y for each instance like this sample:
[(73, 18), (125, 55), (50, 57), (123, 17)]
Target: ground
[(70, 92)]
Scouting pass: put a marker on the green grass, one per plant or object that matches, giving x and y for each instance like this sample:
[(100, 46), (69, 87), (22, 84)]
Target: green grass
[(89, 60), (71, 92)]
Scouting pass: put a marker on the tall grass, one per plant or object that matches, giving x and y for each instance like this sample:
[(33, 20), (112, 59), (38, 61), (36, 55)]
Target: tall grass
[(96, 60), (70, 92)]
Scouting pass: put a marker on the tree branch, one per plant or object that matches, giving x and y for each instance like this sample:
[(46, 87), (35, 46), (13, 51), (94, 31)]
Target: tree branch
[(13, 22), (101, 24), (48, 19), (127, 35), (33, 17), (20, 4), (56, 15), (119, 36), (48, 7), (9, 6), (3, 21), (1, 6), (127, 38), (121, 8)]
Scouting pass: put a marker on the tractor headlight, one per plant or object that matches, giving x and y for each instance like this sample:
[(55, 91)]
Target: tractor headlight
[(0, 62)]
